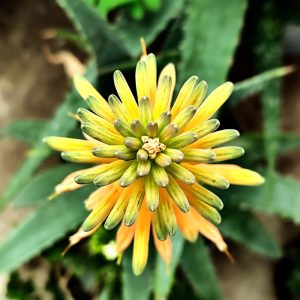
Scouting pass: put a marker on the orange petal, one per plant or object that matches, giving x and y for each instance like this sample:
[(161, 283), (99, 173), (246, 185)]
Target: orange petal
[(124, 237)]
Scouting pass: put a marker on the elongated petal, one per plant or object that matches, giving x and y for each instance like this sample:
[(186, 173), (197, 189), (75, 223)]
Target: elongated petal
[(163, 160), (182, 140), (85, 89), (207, 176), (135, 203), (185, 224), (99, 214), (123, 128), (226, 153), (141, 80), (117, 213), (168, 132), (199, 93), (124, 237), (184, 95), (208, 230), (206, 127), (145, 110), (68, 144), (184, 117), (211, 104), (150, 61), (163, 96), (202, 194), (112, 174), (151, 192), (177, 194), (107, 150), (160, 175), (129, 175), (164, 248), (181, 173), (216, 138), (126, 95), (198, 155), (174, 154), (169, 70), (84, 157), (164, 120), (125, 154), (141, 241), (235, 174), (118, 108), (102, 134), (88, 117)]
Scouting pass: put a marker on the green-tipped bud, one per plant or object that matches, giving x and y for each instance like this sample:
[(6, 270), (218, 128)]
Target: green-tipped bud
[(164, 218), (163, 160), (206, 210), (123, 127), (89, 175), (143, 167), (142, 155), (125, 154), (152, 129), (226, 153), (101, 134), (212, 179), (199, 155), (95, 105), (184, 117), (138, 128), (181, 173), (160, 175), (107, 151), (177, 194), (134, 204), (117, 108), (199, 94), (168, 132), (129, 175), (175, 155), (206, 127), (200, 193), (112, 174), (218, 138), (133, 143), (182, 140), (145, 110), (164, 120), (117, 213), (151, 192)]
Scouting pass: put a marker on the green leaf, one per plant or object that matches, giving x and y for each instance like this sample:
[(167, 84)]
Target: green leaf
[(41, 186), (99, 36), (279, 195), (28, 131), (199, 270), (129, 31), (61, 124), (105, 6), (243, 227), (163, 278), (135, 287), (41, 229), (212, 31), (256, 84)]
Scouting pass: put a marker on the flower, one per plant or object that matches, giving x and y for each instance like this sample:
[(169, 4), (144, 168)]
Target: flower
[(153, 160)]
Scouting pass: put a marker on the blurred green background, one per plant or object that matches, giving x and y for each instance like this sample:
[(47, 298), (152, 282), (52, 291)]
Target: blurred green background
[(255, 44)]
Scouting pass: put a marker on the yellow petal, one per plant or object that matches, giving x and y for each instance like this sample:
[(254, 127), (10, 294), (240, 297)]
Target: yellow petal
[(150, 61), (235, 174), (141, 241), (211, 104), (85, 89), (126, 95), (185, 95), (141, 80), (68, 144), (169, 70), (84, 157)]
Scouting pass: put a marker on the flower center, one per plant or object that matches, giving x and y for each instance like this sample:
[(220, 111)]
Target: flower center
[(152, 146)]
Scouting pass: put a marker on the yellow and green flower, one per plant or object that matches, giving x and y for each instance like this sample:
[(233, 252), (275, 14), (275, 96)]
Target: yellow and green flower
[(154, 159)]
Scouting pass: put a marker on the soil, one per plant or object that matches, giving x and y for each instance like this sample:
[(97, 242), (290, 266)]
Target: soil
[(30, 87)]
